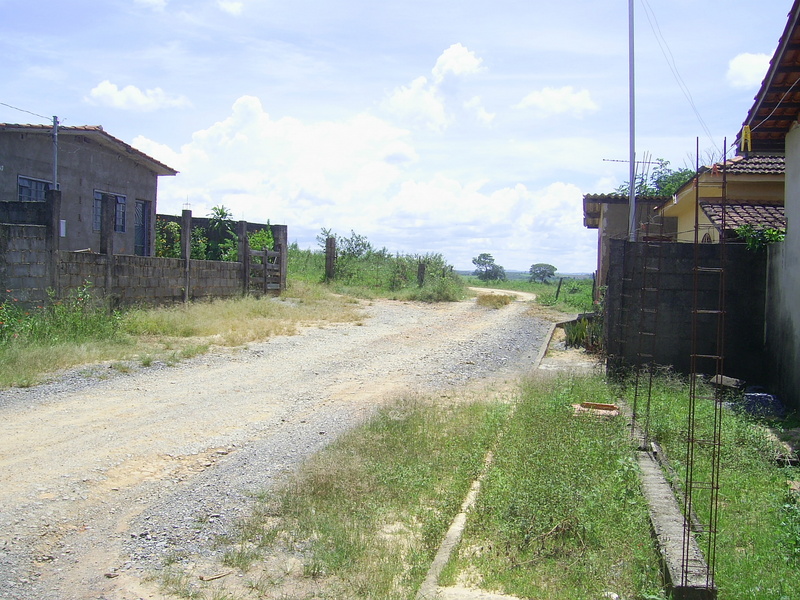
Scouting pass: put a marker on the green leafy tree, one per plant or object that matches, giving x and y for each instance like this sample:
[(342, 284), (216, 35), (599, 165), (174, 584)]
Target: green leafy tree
[(221, 234), (486, 269), (261, 239), (168, 239), (661, 181), (542, 272)]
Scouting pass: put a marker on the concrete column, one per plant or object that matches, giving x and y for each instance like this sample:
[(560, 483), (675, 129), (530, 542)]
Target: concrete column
[(53, 202), (244, 256), (186, 251)]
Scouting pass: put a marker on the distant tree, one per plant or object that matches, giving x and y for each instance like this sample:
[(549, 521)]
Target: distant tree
[(541, 271), (661, 181), (486, 269)]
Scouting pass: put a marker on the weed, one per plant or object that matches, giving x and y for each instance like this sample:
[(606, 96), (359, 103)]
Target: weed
[(494, 300)]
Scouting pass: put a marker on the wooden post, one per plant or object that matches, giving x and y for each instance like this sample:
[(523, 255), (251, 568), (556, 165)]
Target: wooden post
[(330, 258), (265, 260), (558, 291), (244, 256), (280, 236), (186, 251), (53, 201), (421, 267)]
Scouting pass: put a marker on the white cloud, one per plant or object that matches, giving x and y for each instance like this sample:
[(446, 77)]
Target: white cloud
[(481, 113), (234, 8), (424, 102), (747, 70), (457, 60), (551, 101), (361, 174), (132, 98), (419, 103), (156, 4)]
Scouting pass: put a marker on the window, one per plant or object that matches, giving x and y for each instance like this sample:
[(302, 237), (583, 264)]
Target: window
[(119, 211), (119, 215), (97, 214), (32, 190)]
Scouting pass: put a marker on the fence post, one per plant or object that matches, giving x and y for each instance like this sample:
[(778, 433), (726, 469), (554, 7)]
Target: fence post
[(53, 200), (280, 236), (330, 258), (244, 256), (558, 291), (421, 267), (186, 251)]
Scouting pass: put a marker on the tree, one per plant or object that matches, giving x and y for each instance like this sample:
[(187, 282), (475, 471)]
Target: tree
[(486, 269), (662, 181), (541, 271), (222, 239)]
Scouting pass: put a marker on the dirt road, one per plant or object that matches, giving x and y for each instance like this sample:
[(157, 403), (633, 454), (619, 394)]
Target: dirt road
[(102, 479)]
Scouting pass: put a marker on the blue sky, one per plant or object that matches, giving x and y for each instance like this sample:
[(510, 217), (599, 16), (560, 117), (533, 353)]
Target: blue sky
[(428, 126)]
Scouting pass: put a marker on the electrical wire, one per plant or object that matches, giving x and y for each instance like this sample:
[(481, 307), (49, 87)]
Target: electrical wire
[(670, 58), (26, 111)]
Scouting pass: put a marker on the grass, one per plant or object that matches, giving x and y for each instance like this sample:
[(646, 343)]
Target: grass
[(494, 301), (378, 273), (368, 513), (575, 294), (560, 514), (758, 543), (80, 330)]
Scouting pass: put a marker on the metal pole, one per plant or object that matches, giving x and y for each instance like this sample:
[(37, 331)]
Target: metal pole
[(632, 131)]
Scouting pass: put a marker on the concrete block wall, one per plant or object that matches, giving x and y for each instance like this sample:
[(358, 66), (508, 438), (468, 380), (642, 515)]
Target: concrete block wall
[(745, 305), (24, 262)]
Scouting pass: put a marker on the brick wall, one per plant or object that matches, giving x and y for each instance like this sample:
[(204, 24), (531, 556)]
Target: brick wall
[(24, 262)]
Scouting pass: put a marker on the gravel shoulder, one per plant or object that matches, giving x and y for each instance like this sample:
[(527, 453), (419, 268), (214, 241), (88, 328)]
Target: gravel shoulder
[(104, 478)]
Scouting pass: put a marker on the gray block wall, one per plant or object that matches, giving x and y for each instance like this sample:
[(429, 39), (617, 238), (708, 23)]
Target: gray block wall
[(745, 285)]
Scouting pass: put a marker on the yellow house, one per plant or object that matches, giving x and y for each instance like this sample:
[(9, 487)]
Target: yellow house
[(754, 195)]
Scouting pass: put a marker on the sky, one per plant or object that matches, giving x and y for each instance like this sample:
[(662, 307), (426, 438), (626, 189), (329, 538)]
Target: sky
[(436, 126)]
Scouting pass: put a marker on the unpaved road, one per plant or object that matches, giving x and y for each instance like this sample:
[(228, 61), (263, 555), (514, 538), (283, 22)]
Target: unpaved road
[(102, 479)]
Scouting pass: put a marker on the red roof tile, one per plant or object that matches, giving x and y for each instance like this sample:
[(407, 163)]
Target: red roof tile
[(744, 213)]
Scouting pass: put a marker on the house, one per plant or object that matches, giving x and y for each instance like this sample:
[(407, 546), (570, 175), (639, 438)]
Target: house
[(609, 214), (93, 170), (753, 195), (771, 127)]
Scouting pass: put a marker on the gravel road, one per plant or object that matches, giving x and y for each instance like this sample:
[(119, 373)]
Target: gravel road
[(105, 474)]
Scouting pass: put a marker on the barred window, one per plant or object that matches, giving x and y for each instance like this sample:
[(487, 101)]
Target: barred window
[(31, 190), (119, 211)]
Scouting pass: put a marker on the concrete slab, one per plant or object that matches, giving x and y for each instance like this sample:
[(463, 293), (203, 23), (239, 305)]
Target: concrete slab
[(667, 521)]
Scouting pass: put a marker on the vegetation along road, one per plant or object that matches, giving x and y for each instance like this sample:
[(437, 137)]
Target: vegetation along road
[(102, 479)]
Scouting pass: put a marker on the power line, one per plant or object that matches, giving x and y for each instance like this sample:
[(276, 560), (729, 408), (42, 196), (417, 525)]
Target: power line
[(26, 111), (665, 50)]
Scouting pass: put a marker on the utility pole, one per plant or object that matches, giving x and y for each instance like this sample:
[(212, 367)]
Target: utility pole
[(632, 133), (55, 153)]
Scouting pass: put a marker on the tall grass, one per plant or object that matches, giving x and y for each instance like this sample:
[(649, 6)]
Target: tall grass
[(379, 273), (37, 341), (41, 339)]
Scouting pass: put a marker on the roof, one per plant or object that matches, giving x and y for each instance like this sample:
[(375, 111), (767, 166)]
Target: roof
[(98, 134), (752, 164), (777, 103), (592, 205), (744, 213)]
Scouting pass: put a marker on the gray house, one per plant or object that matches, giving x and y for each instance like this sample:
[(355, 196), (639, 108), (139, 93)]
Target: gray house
[(93, 169)]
